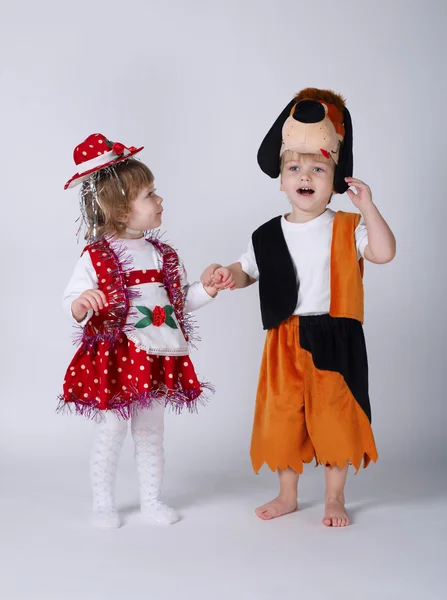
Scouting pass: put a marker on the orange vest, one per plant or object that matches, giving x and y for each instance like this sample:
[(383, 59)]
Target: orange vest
[(346, 269)]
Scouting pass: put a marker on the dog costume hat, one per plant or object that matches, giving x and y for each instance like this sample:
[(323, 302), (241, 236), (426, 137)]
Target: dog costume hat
[(316, 122)]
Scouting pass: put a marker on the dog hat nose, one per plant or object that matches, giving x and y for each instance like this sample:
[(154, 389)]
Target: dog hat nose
[(309, 111)]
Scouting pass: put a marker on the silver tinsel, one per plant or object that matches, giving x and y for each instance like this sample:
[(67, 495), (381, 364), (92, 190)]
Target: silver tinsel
[(89, 203)]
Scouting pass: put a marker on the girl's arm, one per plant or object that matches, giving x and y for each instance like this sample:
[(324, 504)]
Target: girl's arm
[(196, 294), (81, 296)]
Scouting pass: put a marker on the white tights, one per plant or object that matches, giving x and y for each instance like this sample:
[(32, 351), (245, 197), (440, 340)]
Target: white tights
[(147, 432)]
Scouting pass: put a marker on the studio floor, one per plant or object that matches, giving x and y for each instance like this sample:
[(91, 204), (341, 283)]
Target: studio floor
[(395, 549)]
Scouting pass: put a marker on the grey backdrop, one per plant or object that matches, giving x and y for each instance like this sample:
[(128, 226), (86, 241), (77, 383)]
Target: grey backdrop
[(199, 83)]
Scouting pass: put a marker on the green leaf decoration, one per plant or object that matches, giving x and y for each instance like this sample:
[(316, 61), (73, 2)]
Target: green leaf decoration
[(143, 323), (171, 323), (108, 143), (145, 311), (168, 310)]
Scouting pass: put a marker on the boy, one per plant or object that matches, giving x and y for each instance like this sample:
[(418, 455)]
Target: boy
[(312, 400)]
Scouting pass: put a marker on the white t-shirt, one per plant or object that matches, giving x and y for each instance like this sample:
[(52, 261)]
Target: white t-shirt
[(309, 246)]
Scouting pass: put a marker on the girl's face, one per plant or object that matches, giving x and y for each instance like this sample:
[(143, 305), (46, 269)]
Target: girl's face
[(146, 210)]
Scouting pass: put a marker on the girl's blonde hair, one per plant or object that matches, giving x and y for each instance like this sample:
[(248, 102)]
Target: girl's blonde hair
[(116, 187)]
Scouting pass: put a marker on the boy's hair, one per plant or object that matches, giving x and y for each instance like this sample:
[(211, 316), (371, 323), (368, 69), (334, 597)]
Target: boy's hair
[(116, 188), (291, 155)]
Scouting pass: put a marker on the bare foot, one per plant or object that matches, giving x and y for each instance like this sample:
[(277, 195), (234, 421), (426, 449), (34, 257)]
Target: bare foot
[(335, 514), (276, 508)]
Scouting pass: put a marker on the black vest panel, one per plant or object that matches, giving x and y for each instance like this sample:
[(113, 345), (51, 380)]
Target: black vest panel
[(278, 284)]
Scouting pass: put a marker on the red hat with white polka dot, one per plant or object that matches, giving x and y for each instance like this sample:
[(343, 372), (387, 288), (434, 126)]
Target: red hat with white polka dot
[(96, 153)]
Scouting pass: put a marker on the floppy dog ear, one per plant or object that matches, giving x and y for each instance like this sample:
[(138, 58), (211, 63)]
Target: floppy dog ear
[(268, 153), (345, 159)]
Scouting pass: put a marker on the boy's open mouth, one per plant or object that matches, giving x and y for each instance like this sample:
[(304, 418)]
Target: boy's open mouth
[(304, 191)]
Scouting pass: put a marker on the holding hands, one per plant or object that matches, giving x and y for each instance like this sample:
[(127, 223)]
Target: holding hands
[(221, 278)]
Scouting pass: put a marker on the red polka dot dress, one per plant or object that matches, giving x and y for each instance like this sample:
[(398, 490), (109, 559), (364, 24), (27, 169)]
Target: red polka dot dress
[(135, 350)]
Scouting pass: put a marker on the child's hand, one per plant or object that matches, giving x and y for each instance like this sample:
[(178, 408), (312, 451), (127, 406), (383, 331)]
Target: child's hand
[(224, 279), (207, 275), (363, 197), (211, 290), (89, 300)]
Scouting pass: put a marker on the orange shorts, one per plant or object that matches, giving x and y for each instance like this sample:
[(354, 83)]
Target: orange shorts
[(312, 400)]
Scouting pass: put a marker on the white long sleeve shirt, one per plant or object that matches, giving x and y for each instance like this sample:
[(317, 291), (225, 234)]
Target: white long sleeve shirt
[(162, 340)]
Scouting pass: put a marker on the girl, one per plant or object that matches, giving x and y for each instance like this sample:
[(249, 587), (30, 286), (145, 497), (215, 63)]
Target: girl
[(130, 297)]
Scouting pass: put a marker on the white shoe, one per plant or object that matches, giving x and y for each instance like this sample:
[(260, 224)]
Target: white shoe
[(155, 510), (106, 519)]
